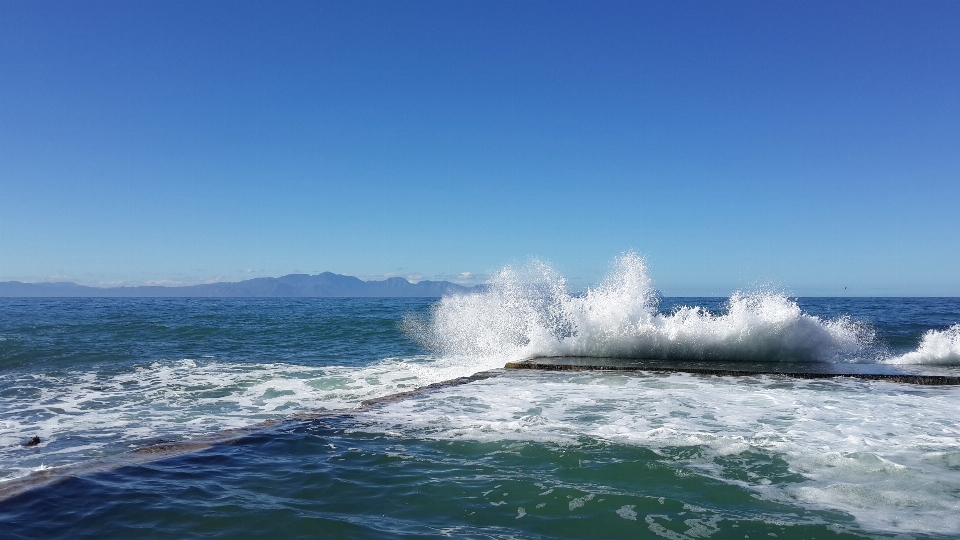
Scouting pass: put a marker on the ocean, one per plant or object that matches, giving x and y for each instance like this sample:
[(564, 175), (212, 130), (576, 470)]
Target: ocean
[(330, 417)]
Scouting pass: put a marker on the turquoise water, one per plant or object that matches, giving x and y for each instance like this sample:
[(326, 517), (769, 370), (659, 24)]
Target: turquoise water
[(516, 455)]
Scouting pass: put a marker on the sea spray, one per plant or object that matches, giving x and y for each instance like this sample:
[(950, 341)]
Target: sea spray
[(937, 347), (527, 312), (93, 378)]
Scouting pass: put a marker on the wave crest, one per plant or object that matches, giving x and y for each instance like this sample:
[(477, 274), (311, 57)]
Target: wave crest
[(937, 347), (527, 313)]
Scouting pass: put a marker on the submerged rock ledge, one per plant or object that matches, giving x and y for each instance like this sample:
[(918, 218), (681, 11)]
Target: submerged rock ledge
[(159, 450)]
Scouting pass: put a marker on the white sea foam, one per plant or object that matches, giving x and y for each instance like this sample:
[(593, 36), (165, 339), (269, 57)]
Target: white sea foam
[(79, 415), (936, 348), (527, 313), (885, 453)]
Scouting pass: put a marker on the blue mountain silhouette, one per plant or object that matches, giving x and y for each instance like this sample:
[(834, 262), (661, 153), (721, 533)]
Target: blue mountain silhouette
[(327, 284)]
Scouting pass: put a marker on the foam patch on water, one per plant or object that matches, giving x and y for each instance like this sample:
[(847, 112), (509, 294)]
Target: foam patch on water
[(527, 313), (936, 348), (82, 415), (887, 454)]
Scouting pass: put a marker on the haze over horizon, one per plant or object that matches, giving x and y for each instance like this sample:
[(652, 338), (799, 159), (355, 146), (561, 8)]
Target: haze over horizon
[(808, 146)]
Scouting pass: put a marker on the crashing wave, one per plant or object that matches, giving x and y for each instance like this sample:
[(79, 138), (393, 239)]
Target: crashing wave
[(937, 347), (527, 313)]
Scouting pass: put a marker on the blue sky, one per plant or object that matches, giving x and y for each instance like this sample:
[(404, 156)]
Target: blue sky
[(809, 145)]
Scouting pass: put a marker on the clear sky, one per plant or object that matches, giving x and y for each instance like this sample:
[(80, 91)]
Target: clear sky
[(807, 145)]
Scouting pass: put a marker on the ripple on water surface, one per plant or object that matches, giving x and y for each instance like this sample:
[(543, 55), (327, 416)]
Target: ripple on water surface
[(592, 455)]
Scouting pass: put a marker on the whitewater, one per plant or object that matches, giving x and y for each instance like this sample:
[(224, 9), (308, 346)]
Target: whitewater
[(95, 378), (527, 313)]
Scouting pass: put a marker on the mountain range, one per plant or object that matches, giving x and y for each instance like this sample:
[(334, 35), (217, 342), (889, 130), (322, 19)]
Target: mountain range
[(326, 284)]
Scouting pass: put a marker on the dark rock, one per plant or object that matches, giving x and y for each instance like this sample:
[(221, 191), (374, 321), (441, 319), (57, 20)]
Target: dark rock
[(907, 378)]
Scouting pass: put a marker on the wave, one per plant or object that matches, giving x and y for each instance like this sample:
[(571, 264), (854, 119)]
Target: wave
[(937, 347), (527, 313)]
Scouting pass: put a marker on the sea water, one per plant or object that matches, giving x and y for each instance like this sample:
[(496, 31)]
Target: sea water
[(519, 454)]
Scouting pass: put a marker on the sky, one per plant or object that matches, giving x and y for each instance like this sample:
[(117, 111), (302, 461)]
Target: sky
[(812, 147)]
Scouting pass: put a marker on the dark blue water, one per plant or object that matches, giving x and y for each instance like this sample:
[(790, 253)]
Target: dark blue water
[(519, 455), (71, 332)]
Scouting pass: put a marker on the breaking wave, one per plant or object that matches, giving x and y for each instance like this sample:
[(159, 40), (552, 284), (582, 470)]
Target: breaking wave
[(936, 348), (526, 312)]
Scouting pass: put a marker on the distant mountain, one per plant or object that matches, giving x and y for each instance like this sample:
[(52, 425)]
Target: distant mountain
[(326, 284)]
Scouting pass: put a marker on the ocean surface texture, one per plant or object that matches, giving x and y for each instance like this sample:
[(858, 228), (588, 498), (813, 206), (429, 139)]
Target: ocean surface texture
[(242, 418)]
